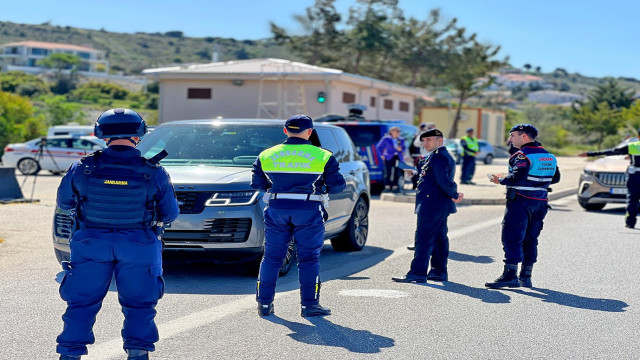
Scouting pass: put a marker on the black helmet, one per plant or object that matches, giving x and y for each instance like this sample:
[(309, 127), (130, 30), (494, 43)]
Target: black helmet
[(119, 123)]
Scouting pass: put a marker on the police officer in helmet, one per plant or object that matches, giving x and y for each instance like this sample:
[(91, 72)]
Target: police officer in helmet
[(120, 201), (296, 177), (531, 170)]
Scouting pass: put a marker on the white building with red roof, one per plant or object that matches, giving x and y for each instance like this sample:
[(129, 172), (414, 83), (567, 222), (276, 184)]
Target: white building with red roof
[(24, 56)]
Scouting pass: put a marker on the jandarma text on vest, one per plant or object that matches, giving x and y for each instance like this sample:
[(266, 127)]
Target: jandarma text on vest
[(292, 153), (116, 182)]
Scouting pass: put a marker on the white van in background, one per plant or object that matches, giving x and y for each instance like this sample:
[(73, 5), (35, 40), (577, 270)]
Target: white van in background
[(78, 130)]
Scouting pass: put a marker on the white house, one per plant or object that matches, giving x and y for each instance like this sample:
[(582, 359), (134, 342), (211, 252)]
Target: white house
[(275, 88), (553, 97), (24, 56)]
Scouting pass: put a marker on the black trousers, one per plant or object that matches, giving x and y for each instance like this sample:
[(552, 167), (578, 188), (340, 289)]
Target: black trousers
[(391, 172), (432, 244), (521, 226), (633, 197)]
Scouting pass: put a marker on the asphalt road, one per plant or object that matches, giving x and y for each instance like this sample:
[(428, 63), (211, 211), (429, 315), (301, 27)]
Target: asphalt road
[(582, 305)]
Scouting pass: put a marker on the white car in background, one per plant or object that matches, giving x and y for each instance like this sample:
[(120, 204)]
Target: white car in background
[(54, 154)]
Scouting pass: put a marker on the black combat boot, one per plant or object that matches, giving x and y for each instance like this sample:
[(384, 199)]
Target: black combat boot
[(509, 278), (314, 310), (265, 309), (525, 276), (137, 354)]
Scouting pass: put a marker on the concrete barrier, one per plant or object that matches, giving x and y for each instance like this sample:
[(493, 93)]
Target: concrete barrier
[(9, 188)]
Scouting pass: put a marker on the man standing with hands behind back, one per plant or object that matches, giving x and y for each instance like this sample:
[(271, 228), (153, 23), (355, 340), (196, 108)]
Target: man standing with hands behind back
[(436, 196)]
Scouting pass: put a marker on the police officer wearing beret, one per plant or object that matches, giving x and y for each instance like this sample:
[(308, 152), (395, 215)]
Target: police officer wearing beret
[(633, 176), (120, 201), (296, 177), (531, 170), (436, 196)]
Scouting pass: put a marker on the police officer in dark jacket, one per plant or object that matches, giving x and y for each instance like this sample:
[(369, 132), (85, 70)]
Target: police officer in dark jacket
[(120, 201), (531, 170), (436, 196), (633, 176), (296, 177)]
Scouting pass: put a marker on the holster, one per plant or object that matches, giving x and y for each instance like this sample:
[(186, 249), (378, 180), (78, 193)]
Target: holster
[(511, 193)]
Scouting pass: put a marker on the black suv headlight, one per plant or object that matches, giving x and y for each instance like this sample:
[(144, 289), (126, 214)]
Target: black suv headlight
[(232, 198)]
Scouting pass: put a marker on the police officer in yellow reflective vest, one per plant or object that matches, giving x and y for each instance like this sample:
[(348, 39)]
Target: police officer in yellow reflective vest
[(633, 176), (470, 148), (296, 177)]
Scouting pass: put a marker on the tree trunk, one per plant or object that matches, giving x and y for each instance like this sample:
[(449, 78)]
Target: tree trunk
[(456, 120)]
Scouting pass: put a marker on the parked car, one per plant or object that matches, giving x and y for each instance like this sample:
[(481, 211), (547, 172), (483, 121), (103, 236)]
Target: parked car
[(221, 216), (365, 135), (54, 154), (604, 181), (486, 153), (77, 130)]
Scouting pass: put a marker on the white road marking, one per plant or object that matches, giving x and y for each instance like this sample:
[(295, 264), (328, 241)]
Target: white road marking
[(383, 293)]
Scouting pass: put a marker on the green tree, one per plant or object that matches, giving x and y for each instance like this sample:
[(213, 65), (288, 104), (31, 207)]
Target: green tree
[(59, 111), (610, 92), (419, 47), (601, 122), (23, 84), (61, 62), (16, 113), (371, 33), (463, 65), (323, 41)]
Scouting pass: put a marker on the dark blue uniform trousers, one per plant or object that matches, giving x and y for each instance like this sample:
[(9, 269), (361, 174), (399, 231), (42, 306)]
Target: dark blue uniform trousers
[(633, 197), (302, 220), (431, 242), (96, 254), (468, 168), (521, 227)]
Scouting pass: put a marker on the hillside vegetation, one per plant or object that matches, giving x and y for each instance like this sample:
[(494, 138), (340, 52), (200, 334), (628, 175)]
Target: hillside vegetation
[(131, 53)]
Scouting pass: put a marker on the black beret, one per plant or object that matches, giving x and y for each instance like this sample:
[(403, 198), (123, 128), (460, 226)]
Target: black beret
[(431, 132)]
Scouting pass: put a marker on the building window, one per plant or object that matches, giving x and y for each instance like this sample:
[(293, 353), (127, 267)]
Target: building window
[(39, 51), (84, 55), (198, 93), (348, 98), (404, 106), (388, 104), (372, 101)]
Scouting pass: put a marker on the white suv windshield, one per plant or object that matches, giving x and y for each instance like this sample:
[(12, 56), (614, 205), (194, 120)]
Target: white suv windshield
[(207, 144)]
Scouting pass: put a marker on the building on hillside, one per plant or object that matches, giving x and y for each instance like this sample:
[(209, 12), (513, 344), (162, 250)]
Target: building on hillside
[(275, 88), (488, 124), (553, 97), (24, 56)]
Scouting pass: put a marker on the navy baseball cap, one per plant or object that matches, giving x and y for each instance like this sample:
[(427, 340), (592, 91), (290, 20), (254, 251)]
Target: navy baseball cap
[(430, 132), (298, 123), (527, 129), (469, 129)]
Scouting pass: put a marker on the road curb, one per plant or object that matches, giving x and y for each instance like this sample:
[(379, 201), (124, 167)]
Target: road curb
[(493, 201)]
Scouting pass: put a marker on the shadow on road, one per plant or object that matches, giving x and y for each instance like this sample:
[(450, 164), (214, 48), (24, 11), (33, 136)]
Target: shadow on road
[(207, 278), (481, 259), (576, 301), (325, 333), (488, 296)]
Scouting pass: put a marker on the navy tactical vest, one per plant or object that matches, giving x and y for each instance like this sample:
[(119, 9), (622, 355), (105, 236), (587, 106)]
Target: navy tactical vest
[(116, 196)]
